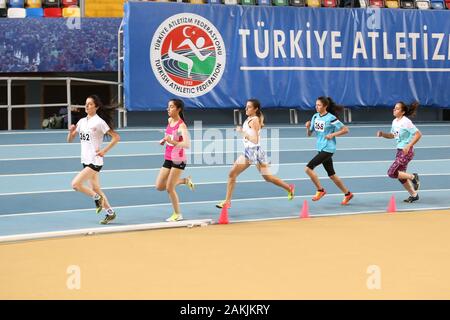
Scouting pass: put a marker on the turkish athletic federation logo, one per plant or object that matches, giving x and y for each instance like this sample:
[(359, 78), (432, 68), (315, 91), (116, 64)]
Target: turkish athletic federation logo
[(187, 55)]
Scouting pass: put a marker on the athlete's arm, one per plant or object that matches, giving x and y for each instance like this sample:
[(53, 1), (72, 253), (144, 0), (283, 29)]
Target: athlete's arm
[(414, 140), (308, 130), (385, 135), (72, 133), (255, 126), (186, 143), (341, 132), (115, 138)]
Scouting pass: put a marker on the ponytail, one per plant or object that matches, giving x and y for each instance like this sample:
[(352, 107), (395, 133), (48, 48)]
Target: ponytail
[(410, 111), (331, 106), (106, 113), (256, 104)]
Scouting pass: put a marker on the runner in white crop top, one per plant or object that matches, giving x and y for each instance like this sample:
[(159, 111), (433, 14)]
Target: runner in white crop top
[(253, 153)]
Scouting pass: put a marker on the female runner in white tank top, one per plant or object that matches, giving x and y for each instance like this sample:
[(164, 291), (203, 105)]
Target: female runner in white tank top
[(253, 153), (91, 130)]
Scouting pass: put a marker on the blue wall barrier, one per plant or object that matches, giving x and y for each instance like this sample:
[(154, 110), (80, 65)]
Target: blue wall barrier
[(219, 56)]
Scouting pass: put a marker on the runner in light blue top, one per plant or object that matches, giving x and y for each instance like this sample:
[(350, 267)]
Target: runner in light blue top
[(324, 125), (327, 127)]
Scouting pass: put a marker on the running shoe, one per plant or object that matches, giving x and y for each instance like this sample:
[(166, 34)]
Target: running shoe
[(411, 199), (221, 204), (347, 198), (108, 218), (175, 217), (416, 181), (190, 184), (99, 204), (291, 192), (319, 195)]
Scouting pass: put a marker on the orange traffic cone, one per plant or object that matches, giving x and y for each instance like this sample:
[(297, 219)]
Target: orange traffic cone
[(305, 211), (223, 219), (392, 207)]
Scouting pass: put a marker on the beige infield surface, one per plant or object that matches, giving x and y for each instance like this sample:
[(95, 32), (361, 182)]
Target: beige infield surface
[(369, 256)]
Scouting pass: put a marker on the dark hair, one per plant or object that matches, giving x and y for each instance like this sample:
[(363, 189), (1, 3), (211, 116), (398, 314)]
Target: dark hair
[(411, 110), (256, 104), (180, 106), (106, 113), (331, 106)]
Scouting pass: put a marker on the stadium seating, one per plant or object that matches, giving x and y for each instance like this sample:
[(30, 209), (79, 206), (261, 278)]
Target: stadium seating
[(3, 10), (376, 3), (393, 4), (17, 13), (297, 3), (71, 12), (423, 4), (230, 2), (265, 2), (35, 13), (248, 2), (363, 3), (280, 2), (330, 3), (313, 3), (16, 4), (407, 4), (69, 3), (104, 8), (52, 12), (437, 4), (33, 4), (51, 4)]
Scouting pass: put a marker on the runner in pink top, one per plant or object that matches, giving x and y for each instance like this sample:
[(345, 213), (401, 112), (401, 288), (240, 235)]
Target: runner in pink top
[(176, 140), (174, 153)]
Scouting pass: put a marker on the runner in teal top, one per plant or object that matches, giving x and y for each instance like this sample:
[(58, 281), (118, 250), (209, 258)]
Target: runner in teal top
[(324, 125), (327, 127)]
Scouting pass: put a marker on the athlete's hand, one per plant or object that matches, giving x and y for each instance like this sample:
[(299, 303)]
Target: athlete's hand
[(72, 128), (406, 149), (169, 140), (379, 133), (239, 129), (308, 124), (329, 136), (100, 153)]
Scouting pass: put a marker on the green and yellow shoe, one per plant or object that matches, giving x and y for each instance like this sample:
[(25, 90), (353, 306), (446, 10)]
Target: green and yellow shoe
[(221, 204), (291, 193), (190, 184), (175, 217), (108, 218), (99, 205)]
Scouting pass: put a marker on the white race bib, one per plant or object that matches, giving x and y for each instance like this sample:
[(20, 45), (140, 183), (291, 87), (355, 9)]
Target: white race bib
[(319, 125)]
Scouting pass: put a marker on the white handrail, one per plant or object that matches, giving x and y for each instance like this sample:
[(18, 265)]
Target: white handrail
[(122, 114)]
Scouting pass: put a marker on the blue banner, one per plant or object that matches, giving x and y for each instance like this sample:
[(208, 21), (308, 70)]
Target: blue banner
[(221, 55)]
